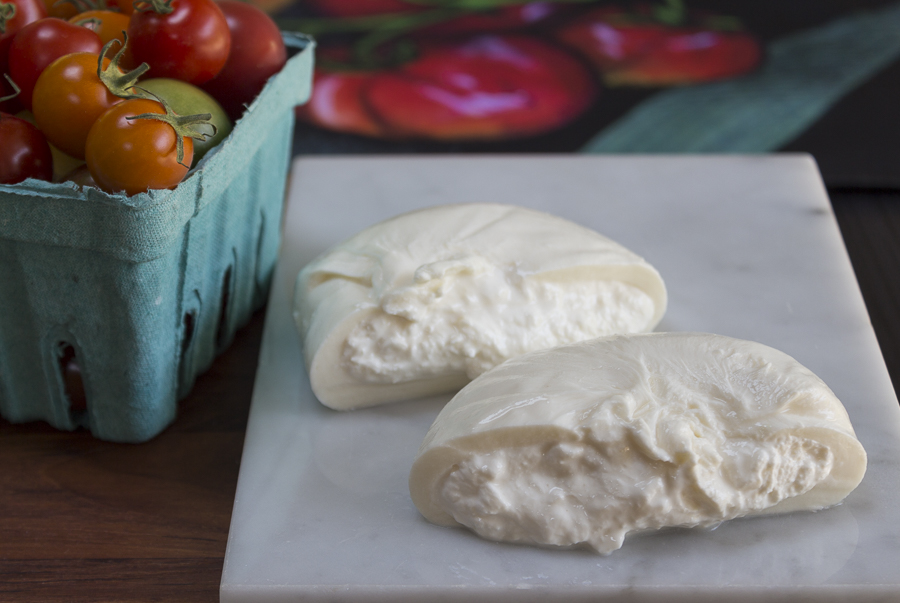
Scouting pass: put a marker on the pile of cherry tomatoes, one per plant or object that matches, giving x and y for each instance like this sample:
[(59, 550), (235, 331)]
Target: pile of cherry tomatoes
[(136, 91)]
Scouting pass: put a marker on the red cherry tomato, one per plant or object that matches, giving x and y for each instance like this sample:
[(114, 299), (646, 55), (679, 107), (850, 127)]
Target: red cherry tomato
[(14, 15), (126, 7), (489, 87), (68, 98), (191, 43), (634, 52), (257, 53), (60, 10), (135, 155), (40, 43), (24, 152)]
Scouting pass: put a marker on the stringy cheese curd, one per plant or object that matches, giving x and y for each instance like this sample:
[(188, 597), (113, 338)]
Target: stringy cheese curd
[(467, 316)]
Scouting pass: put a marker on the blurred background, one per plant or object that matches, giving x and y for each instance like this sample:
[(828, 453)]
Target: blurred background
[(592, 76)]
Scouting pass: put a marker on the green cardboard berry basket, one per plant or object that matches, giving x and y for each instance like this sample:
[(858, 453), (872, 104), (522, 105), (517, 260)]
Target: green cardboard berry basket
[(142, 292)]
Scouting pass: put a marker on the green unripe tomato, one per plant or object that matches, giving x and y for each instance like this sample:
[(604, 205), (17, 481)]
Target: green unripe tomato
[(187, 99)]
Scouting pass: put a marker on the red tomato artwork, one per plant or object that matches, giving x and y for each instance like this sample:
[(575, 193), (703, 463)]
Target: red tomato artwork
[(482, 88), (646, 53), (337, 103), (487, 87)]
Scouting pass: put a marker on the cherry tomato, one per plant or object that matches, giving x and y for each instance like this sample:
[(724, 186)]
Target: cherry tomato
[(24, 152), (40, 43), (14, 15), (191, 43), (60, 10), (187, 99), (489, 87), (107, 24), (135, 155), (257, 53), (126, 7), (68, 98), (62, 163)]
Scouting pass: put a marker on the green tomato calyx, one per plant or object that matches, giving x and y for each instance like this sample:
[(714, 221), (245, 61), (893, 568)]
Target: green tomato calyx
[(185, 126), (16, 89), (118, 82), (160, 7), (7, 12)]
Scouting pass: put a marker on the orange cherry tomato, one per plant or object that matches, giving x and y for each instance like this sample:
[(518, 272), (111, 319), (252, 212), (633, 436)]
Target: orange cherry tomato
[(68, 98), (108, 25), (135, 155)]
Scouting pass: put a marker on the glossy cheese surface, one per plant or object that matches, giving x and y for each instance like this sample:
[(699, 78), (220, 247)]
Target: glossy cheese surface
[(583, 444), (426, 301)]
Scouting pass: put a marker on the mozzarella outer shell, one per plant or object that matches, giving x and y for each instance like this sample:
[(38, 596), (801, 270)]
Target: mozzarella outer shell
[(550, 396), (344, 286)]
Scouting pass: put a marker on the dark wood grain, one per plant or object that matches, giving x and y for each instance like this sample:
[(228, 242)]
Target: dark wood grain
[(870, 225), (85, 520)]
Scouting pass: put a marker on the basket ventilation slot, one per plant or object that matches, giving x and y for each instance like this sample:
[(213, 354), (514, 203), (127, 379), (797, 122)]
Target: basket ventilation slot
[(72, 380), (187, 336), (222, 327)]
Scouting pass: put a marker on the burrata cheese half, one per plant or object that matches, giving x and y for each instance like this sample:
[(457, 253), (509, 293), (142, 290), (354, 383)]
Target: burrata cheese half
[(424, 302), (585, 443)]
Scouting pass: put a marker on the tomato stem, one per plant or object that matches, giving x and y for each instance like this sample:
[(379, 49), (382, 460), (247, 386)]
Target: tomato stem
[(116, 81), (83, 6), (161, 7), (91, 23), (185, 126), (16, 89), (7, 12)]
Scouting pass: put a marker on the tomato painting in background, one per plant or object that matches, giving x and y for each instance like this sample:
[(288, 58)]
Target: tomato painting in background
[(483, 87), (647, 48), (495, 70)]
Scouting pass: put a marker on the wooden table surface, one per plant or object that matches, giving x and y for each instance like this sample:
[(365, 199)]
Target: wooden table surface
[(85, 520)]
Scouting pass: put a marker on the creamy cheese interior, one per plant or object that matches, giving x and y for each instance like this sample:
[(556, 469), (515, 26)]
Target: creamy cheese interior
[(423, 302), (585, 443), (468, 315), (595, 493)]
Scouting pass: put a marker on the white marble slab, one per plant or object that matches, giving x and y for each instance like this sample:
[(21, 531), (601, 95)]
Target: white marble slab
[(748, 247)]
